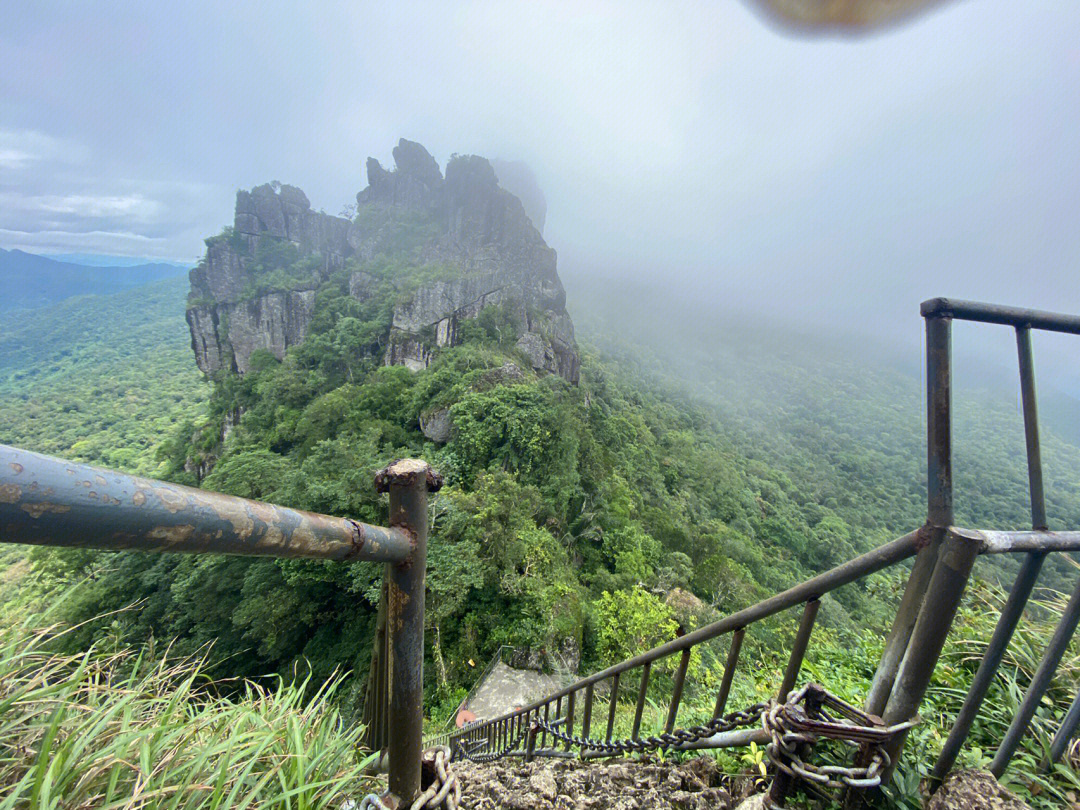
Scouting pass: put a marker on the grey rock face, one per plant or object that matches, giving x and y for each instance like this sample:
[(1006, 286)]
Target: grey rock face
[(225, 335), (479, 230), (437, 425), (974, 790)]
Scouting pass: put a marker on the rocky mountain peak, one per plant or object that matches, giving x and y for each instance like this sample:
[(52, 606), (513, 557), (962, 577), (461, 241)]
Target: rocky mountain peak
[(476, 231)]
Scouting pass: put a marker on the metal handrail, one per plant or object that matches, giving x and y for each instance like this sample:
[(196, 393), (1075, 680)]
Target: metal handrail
[(49, 501), (42, 499)]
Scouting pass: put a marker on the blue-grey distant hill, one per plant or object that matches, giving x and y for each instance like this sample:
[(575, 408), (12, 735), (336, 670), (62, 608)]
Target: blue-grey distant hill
[(28, 280)]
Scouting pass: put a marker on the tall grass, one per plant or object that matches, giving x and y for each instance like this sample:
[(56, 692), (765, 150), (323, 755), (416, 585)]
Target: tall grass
[(125, 729)]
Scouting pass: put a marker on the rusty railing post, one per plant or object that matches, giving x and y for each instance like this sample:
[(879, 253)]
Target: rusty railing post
[(957, 555), (408, 481)]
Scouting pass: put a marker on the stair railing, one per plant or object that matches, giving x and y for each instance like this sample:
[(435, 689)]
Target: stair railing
[(944, 557), (52, 502)]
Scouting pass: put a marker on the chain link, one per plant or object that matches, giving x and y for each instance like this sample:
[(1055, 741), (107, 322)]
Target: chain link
[(492, 756), (445, 789), (729, 722)]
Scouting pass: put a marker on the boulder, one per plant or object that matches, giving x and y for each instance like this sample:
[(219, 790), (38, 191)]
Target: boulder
[(974, 790), (437, 425)]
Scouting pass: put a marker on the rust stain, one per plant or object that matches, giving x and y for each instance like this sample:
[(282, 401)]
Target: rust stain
[(101, 480), (396, 602), (10, 493), (172, 534), (139, 498), (241, 521), (173, 501), (106, 499), (303, 536), (92, 494), (36, 510), (86, 484), (17, 467)]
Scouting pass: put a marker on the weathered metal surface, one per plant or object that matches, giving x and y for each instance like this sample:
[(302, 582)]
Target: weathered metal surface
[(1031, 427), (939, 492), (1064, 733), (994, 313), (939, 472), (408, 482), (639, 707), (928, 638), (677, 690), (903, 624), (798, 648), (49, 501), (1040, 681), (729, 671), (988, 667), (1009, 542)]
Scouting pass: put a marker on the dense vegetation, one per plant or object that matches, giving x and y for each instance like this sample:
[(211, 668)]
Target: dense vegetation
[(124, 727), (577, 520), (101, 379)]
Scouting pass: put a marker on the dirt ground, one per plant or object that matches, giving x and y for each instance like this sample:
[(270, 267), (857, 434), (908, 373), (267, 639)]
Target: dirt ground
[(567, 784)]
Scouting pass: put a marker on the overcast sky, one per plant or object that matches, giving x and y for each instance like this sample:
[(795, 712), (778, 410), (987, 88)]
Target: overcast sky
[(692, 144)]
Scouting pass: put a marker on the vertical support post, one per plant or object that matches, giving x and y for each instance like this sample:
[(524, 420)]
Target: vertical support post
[(1064, 733), (939, 511), (676, 695), (1031, 428), (1040, 681), (570, 717), (530, 742), (957, 555), (586, 717), (547, 721), (798, 649), (939, 473), (643, 690), (729, 672), (408, 481), (612, 705)]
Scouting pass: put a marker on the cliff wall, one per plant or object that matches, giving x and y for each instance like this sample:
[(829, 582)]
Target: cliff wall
[(469, 223)]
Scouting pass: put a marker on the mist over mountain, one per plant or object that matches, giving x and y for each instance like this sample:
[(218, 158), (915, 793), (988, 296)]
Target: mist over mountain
[(28, 280)]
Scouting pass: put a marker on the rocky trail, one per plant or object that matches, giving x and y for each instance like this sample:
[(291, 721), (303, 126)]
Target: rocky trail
[(570, 784)]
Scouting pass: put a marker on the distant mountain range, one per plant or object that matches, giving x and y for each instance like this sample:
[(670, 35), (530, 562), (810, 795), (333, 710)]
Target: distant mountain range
[(28, 280)]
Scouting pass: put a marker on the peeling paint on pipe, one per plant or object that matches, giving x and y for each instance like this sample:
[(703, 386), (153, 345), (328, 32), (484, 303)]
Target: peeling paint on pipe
[(49, 501)]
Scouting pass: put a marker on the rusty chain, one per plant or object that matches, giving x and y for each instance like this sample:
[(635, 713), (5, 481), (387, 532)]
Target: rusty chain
[(729, 722), (794, 725), (791, 727), (495, 756), (444, 790)]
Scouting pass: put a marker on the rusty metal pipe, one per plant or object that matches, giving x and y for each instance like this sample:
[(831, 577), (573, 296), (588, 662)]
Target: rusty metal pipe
[(988, 667), (729, 672), (47, 501), (994, 313), (798, 649), (1011, 542), (408, 482), (1040, 681)]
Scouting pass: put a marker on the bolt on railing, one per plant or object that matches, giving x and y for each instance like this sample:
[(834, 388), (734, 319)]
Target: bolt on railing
[(49, 501)]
